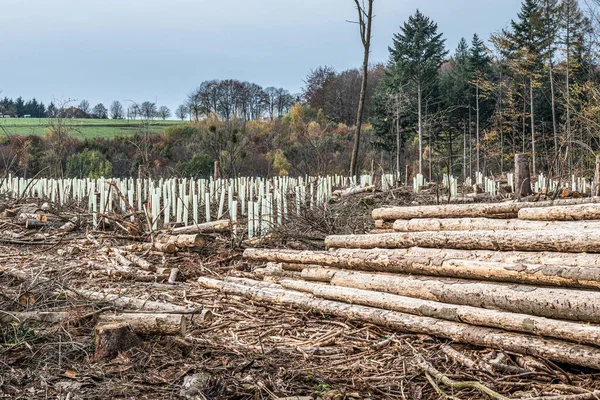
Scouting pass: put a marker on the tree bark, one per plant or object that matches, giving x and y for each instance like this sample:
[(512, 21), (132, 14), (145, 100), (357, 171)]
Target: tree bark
[(318, 274), (113, 338), (571, 241), (184, 241), (557, 303), (596, 186), (149, 324), (365, 18), (221, 226), (531, 116), (574, 332), (555, 350), (130, 302), (386, 259), (522, 177), (162, 247), (474, 224), (507, 209), (561, 213), (383, 224), (9, 317), (525, 273)]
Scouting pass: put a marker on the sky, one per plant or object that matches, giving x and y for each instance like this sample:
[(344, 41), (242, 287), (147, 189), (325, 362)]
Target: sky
[(159, 50)]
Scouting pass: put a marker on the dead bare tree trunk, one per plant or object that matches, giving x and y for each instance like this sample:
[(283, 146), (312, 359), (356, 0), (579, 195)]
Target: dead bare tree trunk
[(596, 186), (522, 177), (365, 17)]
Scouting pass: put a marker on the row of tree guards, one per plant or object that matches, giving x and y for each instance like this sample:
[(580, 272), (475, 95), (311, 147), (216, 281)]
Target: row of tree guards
[(521, 277), (265, 202)]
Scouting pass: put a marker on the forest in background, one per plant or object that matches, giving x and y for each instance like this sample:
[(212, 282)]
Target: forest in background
[(531, 87)]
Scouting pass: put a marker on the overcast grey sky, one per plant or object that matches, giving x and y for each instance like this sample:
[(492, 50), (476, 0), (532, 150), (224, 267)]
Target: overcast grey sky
[(105, 50)]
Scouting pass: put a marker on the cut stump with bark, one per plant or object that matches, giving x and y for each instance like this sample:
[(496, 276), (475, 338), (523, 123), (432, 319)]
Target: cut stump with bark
[(115, 337)]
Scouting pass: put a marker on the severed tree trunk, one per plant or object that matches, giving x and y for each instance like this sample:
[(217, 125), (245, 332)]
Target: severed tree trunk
[(220, 226), (562, 213), (507, 209), (9, 317), (571, 241), (162, 247), (383, 224), (365, 19), (149, 324), (196, 241), (574, 332), (522, 176), (474, 224), (318, 274), (596, 185), (393, 260), (557, 303), (535, 274), (552, 349)]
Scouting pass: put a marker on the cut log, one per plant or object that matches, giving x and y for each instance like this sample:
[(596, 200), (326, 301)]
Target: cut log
[(70, 225), (119, 271), (173, 275), (571, 241), (9, 317), (569, 304), (571, 331), (354, 190), (522, 176), (130, 302), (295, 267), (488, 210), (221, 226), (383, 224), (562, 213), (535, 274), (113, 338), (162, 247), (149, 324), (552, 349), (473, 224), (380, 231), (318, 274), (391, 260), (196, 241)]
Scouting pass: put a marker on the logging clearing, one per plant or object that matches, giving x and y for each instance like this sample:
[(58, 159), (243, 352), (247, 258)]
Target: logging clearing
[(121, 294)]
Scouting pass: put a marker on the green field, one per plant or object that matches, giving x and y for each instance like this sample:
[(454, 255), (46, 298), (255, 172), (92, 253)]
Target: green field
[(83, 128)]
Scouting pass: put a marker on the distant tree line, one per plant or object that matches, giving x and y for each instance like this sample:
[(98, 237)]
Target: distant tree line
[(20, 108), (231, 98)]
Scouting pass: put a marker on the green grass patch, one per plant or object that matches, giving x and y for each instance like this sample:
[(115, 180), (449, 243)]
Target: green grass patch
[(83, 128)]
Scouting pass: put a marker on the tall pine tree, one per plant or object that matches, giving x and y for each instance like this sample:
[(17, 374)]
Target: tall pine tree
[(416, 56)]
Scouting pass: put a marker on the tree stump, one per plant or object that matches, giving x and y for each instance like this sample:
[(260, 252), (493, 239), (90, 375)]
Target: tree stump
[(113, 338), (522, 177)]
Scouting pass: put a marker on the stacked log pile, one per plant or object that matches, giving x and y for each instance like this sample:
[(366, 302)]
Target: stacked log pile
[(518, 277)]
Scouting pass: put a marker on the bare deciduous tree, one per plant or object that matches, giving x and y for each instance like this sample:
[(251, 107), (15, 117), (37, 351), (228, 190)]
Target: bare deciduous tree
[(365, 18), (181, 112), (116, 110), (163, 112)]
